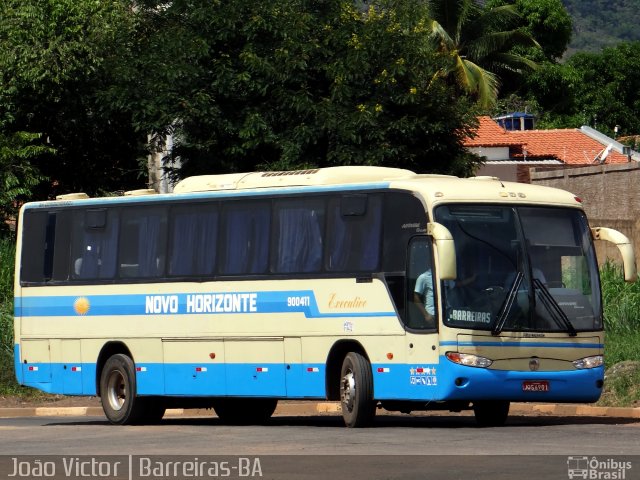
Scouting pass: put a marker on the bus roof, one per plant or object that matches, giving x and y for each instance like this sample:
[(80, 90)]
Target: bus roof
[(486, 190), (438, 187), (316, 176), (434, 188)]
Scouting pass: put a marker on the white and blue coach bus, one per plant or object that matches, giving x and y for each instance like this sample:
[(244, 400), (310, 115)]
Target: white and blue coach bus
[(377, 287)]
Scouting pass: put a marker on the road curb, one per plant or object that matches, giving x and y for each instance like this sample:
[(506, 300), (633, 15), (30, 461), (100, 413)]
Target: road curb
[(311, 408), (560, 410)]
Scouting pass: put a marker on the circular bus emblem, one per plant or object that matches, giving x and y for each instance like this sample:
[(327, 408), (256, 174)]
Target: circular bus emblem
[(534, 364), (81, 305)]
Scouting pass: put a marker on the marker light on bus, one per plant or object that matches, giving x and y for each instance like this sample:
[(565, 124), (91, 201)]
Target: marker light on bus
[(468, 359), (589, 362)]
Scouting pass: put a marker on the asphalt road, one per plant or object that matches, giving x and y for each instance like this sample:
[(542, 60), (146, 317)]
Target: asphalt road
[(319, 446)]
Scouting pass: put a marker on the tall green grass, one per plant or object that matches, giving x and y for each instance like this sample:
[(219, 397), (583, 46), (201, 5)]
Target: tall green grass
[(621, 315), (7, 254)]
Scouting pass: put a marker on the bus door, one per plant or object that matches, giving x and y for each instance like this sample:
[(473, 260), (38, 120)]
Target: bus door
[(421, 321)]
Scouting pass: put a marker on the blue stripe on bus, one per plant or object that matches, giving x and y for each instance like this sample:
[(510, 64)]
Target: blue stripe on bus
[(521, 344), (297, 301), (212, 194), (441, 381), (185, 379)]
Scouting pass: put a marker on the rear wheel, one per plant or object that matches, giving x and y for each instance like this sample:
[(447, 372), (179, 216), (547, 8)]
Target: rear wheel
[(356, 391), (491, 413), (118, 391), (245, 411)]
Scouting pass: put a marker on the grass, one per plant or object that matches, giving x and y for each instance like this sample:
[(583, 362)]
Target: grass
[(622, 346), (622, 385), (621, 313), (8, 385), (7, 253)]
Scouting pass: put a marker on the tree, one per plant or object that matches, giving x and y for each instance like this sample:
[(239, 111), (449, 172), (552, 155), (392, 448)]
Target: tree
[(479, 43), (548, 21), (600, 90), (53, 55), (251, 85), (18, 176), (548, 90), (602, 23), (608, 88)]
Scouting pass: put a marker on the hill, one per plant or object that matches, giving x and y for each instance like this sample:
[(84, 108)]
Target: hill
[(601, 23)]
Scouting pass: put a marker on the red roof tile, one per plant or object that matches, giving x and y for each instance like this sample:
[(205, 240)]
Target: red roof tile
[(570, 145), (489, 134)]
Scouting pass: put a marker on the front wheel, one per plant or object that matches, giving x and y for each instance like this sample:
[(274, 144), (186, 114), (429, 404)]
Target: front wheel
[(356, 391), (118, 391), (491, 413)]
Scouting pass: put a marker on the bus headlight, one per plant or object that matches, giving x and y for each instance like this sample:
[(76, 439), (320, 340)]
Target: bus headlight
[(468, 360), (589, 362)]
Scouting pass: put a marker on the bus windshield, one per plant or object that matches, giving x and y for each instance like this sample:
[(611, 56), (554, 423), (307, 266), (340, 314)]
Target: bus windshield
[(521, 269)]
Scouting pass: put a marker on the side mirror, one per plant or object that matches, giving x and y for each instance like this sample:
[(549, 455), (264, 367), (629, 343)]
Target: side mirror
[(624, 246), (445, 250)]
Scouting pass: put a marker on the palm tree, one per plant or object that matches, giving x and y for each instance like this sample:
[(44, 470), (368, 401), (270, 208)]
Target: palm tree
[(479, 47)]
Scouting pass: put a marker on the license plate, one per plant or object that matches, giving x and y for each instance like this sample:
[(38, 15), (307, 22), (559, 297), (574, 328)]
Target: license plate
[(535, 386)]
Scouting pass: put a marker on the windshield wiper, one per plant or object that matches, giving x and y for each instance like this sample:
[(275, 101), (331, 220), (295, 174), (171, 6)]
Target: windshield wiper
[(554, 309), (507, 304)]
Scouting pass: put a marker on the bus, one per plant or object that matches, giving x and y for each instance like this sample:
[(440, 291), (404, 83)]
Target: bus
[(376, 287)]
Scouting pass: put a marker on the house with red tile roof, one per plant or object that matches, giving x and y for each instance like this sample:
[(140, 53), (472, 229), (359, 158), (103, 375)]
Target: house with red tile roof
[(510, 154)]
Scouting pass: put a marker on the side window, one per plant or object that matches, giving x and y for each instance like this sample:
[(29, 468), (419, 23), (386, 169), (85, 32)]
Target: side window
[(298, 234), (354, 233), (420, 290), (143, 242), (34, 246), (246, 241), (404, 217), (194, 240), (95, 243)]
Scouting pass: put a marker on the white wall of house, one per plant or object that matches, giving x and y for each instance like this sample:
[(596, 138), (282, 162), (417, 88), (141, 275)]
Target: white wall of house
[(491, 153)]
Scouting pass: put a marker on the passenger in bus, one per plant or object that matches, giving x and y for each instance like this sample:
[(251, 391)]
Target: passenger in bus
[(423, 295)]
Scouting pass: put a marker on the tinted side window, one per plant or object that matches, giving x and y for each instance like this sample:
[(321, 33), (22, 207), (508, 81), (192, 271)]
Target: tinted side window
[(143, 242), (33, 245), (421, 299), (298, 234), (45, 246), (354, 233), (404, 217), (194, 240), (95, 244), (246, 239)]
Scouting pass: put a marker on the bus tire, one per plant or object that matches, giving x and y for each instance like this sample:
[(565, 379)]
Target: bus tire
[(491, 413), (356, 391), (244, 411), (118, 391)]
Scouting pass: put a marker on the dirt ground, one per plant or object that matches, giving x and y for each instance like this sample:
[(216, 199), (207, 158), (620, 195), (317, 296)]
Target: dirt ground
[(48, 401)]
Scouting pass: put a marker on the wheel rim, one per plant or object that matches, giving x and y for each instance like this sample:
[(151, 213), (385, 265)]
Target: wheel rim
[(348, 390), (116, 390)]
